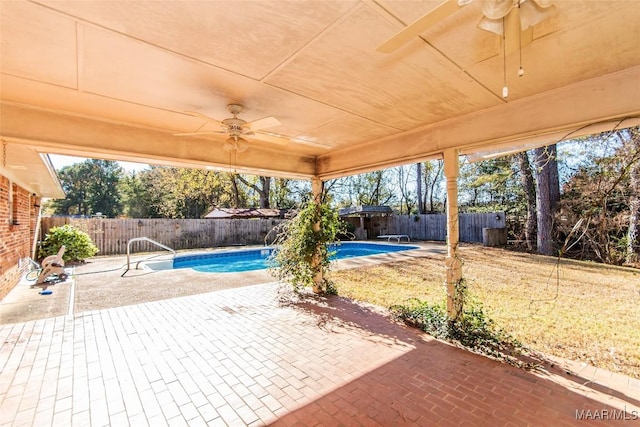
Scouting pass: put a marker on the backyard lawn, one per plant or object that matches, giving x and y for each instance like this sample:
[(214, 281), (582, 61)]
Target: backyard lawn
[(576, 310)]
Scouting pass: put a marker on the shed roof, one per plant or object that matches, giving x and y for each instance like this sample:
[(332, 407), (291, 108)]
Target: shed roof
[(365, 210)]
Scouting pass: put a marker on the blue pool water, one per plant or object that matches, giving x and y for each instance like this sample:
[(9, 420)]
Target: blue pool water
[(256, 259)]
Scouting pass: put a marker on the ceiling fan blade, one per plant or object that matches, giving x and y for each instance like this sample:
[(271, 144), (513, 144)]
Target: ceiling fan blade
[(267, 122), (199, 133), (202, 116), (267, 137), (440, 12)]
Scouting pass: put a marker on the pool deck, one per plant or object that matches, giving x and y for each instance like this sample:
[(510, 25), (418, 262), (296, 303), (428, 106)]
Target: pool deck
[(257, 355)]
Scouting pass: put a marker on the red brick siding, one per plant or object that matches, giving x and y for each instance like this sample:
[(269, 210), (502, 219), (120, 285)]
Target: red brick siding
[(15, 238)]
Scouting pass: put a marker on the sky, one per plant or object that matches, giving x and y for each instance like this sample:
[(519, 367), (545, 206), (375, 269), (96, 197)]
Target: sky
[(60, 161)]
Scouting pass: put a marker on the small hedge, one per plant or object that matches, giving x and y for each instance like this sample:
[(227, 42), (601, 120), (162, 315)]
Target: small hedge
[(78, 245)]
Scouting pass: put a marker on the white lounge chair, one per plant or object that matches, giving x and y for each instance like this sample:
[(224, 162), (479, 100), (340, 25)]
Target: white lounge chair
[(398, 237)]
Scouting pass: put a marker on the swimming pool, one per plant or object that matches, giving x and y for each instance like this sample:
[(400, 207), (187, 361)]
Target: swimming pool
[(234, 261)]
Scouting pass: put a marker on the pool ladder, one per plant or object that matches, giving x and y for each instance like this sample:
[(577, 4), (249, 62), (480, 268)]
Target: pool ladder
[(143, 239)]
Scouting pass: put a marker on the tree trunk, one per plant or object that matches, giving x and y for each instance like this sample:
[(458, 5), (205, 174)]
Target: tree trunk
[(235, 190), (265, 203), (554, 179), (433, 186), (529, 185), (263, 191), (633, 236), (421, 208), (543, 201)]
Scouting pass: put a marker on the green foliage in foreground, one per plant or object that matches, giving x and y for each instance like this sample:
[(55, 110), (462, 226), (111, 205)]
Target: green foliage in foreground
[(78, 244), (473, 329), (302, 248)]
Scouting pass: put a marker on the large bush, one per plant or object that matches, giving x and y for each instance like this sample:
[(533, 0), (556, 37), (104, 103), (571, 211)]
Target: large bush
[(302, 247), (78, 244)]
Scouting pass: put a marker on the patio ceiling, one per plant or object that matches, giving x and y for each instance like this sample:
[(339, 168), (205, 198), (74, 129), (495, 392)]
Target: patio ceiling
[(114, 80)]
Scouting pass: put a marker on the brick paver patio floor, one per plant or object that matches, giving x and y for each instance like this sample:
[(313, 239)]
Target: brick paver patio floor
[(242, 357)]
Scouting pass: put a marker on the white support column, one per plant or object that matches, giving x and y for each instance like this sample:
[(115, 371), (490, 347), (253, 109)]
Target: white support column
[(317, 187), (453, 264)]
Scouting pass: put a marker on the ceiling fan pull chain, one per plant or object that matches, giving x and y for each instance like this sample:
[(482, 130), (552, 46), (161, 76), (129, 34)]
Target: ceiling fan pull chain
[(520, 70), (505, 89)]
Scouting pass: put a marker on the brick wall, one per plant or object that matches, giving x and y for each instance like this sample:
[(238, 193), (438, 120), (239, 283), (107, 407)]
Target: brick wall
[(16, 237)]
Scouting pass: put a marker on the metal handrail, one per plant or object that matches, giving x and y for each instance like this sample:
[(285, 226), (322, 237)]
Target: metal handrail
[(144, 239)]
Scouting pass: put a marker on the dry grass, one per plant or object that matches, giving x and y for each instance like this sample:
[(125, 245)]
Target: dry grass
[(580, 311)]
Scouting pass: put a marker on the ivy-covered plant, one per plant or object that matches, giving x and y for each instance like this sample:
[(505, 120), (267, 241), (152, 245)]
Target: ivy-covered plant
[(472, 329), (78, 245), (302, 248)]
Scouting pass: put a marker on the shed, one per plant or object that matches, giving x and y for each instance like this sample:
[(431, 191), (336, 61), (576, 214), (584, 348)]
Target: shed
[(368, 220)]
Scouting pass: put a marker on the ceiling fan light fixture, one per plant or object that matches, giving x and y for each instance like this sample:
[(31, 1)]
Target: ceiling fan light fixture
[(241, 145), (235, 144)]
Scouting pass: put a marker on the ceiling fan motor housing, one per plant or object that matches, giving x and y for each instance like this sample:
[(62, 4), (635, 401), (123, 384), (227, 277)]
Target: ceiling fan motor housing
[(234, 126)]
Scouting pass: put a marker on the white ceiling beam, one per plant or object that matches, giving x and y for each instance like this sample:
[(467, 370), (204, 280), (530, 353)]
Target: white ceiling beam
[(607, 98), (57, 133)]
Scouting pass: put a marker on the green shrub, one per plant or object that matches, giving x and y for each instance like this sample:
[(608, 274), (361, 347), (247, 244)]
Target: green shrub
[(78, 245)]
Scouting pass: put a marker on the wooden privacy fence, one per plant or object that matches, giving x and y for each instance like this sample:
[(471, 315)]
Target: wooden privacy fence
[(434, 226), (111, 235)]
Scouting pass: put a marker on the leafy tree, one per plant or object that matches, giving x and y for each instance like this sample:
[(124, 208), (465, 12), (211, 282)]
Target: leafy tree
[(374, 188), (490, 185), (75, 189), (262, 187), (185, 192), (90, 187), (135, 198), (601, 194), (103, 182)]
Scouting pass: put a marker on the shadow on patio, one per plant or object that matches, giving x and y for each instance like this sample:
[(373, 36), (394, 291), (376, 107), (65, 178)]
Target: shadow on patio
[(439, 384)]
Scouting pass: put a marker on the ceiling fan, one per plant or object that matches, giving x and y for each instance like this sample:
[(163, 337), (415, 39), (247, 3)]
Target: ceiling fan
[(238, 129), (512, 19)]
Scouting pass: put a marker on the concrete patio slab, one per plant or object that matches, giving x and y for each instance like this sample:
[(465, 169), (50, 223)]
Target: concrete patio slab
[(252, 356)]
